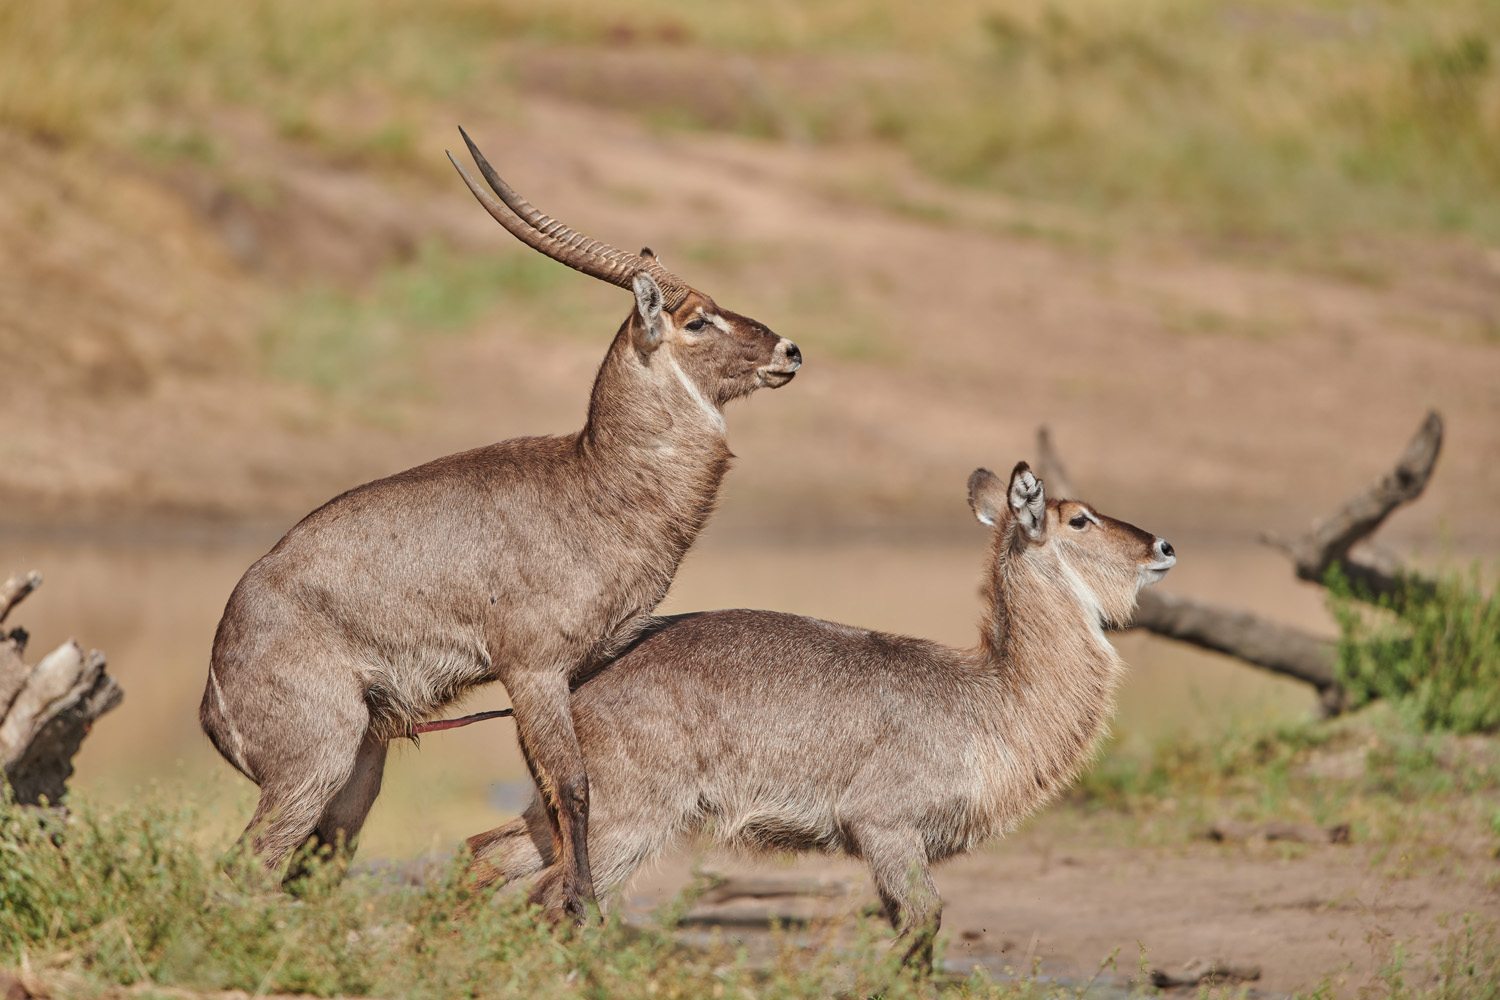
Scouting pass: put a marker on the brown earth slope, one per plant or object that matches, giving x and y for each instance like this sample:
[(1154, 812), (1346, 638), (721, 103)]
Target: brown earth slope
[(1236, 390)]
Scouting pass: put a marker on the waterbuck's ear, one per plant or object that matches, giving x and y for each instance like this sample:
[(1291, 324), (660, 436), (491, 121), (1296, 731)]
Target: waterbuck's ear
[(648, 302), (987, 496), (1028, 502)]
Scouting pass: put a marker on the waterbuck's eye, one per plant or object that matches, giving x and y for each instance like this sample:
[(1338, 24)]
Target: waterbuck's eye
[(696, 325), (1079, 521)]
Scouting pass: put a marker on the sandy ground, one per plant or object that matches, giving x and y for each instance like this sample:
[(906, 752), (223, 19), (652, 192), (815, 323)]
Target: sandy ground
[(1302, 915)]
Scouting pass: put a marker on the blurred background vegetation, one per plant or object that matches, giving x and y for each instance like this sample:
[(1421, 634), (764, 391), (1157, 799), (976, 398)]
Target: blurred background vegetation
[(1234, 118)]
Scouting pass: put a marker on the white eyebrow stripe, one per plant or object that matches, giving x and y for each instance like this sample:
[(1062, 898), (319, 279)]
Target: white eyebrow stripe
[(1089, 514), (719, 322)]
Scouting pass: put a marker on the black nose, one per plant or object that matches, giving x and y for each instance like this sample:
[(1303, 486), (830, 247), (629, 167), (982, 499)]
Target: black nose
[(1166, 548), (792, 353)]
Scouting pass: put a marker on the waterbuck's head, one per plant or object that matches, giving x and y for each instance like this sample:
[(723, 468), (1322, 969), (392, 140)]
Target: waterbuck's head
[(692, 346), (1097, 560)]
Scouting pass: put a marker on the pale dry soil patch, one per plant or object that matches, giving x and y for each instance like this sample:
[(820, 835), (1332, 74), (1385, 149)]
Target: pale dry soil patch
[(1058, 903)]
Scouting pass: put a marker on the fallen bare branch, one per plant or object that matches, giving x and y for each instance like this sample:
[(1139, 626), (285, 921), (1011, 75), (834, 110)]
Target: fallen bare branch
[(794, 912), (13, 669), (1278, 648), (1205, 970), (57, 683), (1331, 539), (1230, 830), (45, 764), (728, 887)]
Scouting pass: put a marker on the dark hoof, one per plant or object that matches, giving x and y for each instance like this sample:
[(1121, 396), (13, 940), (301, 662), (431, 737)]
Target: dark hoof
[(581, 910)]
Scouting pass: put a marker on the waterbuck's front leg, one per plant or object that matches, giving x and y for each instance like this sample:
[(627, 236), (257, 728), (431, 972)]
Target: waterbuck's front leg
[(544, 724)]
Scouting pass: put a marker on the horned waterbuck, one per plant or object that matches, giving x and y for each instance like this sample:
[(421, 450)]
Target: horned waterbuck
[(523, 562), (776, 733)]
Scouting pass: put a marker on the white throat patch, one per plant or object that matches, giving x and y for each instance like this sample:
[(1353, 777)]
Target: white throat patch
[(1086, 598), (713, 413)]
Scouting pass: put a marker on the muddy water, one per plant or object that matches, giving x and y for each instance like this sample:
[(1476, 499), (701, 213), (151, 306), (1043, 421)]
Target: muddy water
[(153, 607)]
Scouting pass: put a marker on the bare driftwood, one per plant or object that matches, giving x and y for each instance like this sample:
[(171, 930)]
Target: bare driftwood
[(1205, 970), (796, 911), (1271, 645), (734, 886), (15, 590), (13, 671), (736, 900), (1229, 830), (46, 710), (1281, 649), (1329, 542)]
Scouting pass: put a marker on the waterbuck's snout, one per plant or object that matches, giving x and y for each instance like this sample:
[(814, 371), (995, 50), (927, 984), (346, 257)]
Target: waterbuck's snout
[(785, 360), (1166, 558)]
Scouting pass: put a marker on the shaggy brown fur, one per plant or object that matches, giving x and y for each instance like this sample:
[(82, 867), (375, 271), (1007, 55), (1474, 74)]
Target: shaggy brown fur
[(528, 562), (773, 732)]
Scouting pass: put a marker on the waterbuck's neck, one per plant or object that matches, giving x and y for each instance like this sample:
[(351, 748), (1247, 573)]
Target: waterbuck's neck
[(653, 450), (1050, 673)]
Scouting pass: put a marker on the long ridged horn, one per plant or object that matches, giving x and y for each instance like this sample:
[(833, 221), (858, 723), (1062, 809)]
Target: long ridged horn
[(565, 245)]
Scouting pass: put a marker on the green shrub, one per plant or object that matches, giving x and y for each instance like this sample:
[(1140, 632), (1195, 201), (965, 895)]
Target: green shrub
[(1433, 652)]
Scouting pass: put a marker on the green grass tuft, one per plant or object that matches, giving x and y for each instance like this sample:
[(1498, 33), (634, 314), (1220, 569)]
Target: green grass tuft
[(1434, 652)]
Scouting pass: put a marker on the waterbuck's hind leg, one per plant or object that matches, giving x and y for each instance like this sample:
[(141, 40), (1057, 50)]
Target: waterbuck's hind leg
[(898, 865), (520, 848), (288, 812), (310, 758), (344, 815)]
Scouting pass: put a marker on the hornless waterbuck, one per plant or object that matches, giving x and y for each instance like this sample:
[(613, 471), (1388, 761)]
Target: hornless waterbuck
[(526, 562), (772, 732)]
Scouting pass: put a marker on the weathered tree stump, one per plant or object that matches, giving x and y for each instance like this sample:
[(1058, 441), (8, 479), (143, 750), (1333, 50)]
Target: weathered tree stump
[(46, 710)]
